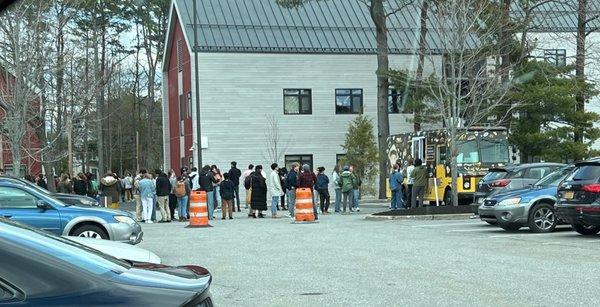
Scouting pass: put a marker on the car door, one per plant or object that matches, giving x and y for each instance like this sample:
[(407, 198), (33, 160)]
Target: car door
[(20, 205)]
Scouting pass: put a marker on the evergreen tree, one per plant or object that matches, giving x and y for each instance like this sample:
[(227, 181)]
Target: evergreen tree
[(548, 118), (361, 149)]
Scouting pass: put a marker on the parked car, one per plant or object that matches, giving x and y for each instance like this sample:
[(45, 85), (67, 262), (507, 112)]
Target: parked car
[(71, 199), (579, 198), (42, 269), (118, 249), (531, 206), (29, 205), (510, 178)]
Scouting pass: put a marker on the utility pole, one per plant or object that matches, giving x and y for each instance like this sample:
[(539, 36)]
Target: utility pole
[(197, 91)]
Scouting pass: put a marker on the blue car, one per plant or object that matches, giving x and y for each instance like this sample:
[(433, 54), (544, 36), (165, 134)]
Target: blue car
[(28, 205), (40, 269), (531, 206)]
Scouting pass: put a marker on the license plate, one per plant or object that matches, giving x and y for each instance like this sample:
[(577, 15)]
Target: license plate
[(569, 195)]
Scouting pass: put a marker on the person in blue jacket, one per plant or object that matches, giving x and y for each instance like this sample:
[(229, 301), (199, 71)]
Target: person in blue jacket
[(396, 179)]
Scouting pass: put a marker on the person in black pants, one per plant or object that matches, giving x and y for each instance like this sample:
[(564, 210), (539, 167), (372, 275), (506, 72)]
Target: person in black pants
[(234, 177), (283, 175), (322, 186)]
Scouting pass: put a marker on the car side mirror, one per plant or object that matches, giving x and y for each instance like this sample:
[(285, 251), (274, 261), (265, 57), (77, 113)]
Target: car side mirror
[(42, 205)]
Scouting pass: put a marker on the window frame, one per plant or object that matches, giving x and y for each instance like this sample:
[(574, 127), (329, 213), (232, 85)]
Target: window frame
[(179, 47), (300, 97), (556, 57), (182, 114), (351, 95), (300, 161)]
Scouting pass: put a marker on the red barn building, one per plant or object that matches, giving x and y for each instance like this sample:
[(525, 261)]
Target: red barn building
[(30, 144)]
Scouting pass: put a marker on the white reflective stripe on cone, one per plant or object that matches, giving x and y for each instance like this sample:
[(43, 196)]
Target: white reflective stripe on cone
[(199, 214), (303, 211), (304, 201)]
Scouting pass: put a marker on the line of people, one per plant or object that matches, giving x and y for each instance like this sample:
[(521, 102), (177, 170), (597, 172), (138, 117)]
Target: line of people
[(408, 185)]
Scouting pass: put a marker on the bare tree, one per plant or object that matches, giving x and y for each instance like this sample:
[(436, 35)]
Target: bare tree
[(468, 87), (275, 143)]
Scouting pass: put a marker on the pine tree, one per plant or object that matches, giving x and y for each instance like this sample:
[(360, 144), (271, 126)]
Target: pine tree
[(361, 149), (548, 118)]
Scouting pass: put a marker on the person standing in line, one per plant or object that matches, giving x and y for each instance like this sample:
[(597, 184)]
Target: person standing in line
[(147, 192), (92, 185), (227, 190), (64, 185), (323, 189), (409, 180), (128, 187), (163, 189), (206, 180), (80, 184), (234, 176), (194, 177), (419, 176), (110, 187), (282, 176), (307, 180), (291, 183), (182, 191), (258, 197), (216, 185), (172, 197), (245, 175), (336, 187), (274, 187), (136, 194), (396, 188), (355, 189), (346, 184), (41, 182)]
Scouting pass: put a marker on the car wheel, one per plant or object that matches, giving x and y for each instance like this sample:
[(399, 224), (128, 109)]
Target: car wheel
[(542, 218), (510, 227), (492, 222), (586, 230), (90, 231), (448, 197)]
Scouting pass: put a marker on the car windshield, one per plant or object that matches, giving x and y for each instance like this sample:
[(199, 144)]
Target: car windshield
[(494, 151), (554, 178), (468, 152), (82, 257)]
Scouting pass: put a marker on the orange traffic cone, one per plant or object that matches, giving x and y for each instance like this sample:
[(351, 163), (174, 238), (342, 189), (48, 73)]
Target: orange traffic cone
[(303, 209), (198, 210)]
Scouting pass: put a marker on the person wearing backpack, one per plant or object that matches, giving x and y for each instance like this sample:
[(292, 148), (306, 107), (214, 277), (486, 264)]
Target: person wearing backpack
[(182, 192), (227, 191)]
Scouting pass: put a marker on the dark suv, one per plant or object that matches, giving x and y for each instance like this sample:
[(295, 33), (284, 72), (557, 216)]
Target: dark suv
[(509, 178), (578, 200)]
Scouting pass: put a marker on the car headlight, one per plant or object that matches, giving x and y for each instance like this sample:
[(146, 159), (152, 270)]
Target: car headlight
[(124, 219), (510, 201)]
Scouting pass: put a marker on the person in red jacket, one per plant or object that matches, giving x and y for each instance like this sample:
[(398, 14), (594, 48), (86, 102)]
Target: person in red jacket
[(307, 179)]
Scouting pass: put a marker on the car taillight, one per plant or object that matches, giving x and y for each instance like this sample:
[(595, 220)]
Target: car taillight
[(592, 188), (500, 183)]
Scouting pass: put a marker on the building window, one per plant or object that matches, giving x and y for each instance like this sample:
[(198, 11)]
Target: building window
[(348, 101), (556, 57), (297, 101), (396, 102), (179, 55), (182, 114), (300, 159), (189, 106)]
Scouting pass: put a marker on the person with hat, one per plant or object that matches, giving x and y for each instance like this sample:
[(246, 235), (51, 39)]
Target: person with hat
[(234, 177), (322, 186)]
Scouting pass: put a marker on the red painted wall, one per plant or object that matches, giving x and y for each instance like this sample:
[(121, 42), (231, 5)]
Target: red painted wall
[(30, 143), (173, 96)]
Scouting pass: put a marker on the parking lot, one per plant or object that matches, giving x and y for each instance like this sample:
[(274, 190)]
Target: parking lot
[(345, 260)]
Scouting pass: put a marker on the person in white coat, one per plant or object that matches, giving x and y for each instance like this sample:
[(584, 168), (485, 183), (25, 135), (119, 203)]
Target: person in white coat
[(274, 187)]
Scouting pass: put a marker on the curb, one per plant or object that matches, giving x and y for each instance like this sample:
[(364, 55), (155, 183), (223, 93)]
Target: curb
[(427, 217)]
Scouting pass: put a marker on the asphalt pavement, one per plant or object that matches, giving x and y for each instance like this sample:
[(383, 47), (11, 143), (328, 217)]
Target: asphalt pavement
[(345, 260)]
